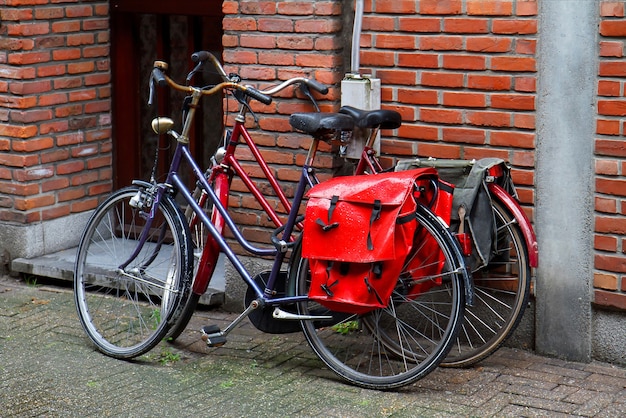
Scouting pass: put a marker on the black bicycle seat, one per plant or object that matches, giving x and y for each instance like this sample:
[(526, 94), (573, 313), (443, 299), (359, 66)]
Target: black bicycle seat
[(317, 124), (382, 118)]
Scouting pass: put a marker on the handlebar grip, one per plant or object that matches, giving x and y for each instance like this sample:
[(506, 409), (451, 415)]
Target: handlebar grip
[(317, 86), (257, 95), (157, 74), (200, 56)]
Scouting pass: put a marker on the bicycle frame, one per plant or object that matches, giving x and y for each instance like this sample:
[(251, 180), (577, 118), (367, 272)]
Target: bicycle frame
[(221, 175)]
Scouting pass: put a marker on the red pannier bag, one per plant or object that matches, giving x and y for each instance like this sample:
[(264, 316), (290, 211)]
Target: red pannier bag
[(426, 261), (358, 231)]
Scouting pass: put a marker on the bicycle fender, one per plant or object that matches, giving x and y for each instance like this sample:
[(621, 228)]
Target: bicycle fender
[(520, 216), (211, 252)]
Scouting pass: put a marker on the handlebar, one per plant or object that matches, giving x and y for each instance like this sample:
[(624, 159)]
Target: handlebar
[(162, 80), (231, 82)]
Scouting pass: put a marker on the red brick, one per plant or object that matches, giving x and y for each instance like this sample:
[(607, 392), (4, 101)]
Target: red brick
[(318, 26), (65, 26), (613, 187), (423, 97), (607, 127), (97, 79), (464, 62), (437, 79), (615, 28), (258, 41), (30, 116), (295, 42), (488, 82), (95, 24), (609, 88), (258, 7), (379, 24), (419, 24), (464, 135), (441, 43), (488, 44), (28, 29), (55, 212), (391, 41), (611, 49), (526, 8), (70, 167), (58, 125), (295, 8), (422, 132), (377, 58), (462, 99), (395, 6), (512, 139), (464, 25), (513, 64), (612, 107), (438, 7), (32, 174), (490, 8), (525, 84), (54, 184), (34, 202), (524, 120), (399, 77), (512, 101), (606, 205), (25, 58), (417, 60), (611, 9), (487, 118), (516, 26), (22, 131), (447, 116), (49, 13), (610, 299), (607, 167)]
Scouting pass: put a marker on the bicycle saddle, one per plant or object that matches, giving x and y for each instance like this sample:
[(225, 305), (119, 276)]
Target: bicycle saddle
[(320, 124), (385, 119)]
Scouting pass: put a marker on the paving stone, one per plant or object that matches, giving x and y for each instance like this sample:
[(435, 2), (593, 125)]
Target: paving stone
[(50, 368)]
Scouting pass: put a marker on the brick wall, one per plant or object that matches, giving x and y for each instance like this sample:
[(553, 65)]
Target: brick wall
[(610, 163), (267, 42), (55, 120), (462, 74)]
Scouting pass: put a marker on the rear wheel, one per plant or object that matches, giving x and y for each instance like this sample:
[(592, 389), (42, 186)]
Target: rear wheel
[(124, 303), (397, 345), (501, 291)]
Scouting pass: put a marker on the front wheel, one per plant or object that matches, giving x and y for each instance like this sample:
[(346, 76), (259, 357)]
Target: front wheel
[(126, 306), (403, 342)]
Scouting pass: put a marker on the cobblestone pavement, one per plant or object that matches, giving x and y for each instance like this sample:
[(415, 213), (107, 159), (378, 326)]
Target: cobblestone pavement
[(49, 368)]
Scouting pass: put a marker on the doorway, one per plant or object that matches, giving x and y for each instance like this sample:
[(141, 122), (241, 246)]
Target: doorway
[(143, 31)]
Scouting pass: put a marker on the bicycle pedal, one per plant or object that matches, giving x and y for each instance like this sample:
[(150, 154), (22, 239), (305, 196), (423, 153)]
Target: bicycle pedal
[(217, 341), (211, 334)]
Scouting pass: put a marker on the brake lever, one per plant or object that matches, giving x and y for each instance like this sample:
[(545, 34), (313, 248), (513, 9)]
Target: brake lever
[(241, 98), (152, 91), (193, 72), (307, 92)]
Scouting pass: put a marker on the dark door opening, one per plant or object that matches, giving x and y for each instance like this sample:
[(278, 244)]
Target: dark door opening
[(143, 31)]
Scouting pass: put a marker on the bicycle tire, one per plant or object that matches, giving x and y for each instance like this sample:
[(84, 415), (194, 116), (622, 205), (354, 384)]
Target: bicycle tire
[(400, 344), (126, 312), (502, 289)]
